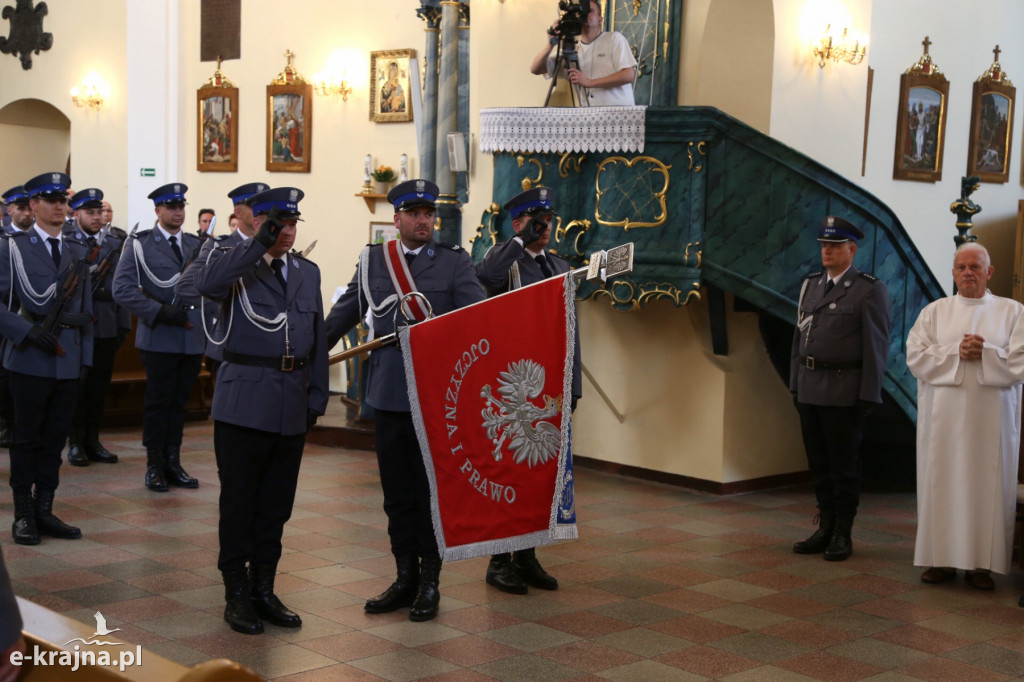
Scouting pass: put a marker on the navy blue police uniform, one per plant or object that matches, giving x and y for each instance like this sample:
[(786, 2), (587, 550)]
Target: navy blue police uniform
[(111, 324), (505, 267), (271, 387), (19, 197), (837, 362), (44, 358), (444, 275), (169, 337)]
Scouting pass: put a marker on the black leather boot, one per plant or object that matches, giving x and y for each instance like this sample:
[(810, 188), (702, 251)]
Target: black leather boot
[(155, 470), (402, 592), (503, 575), (76, 455), (531, 572), (49, 524), (94, 450), (841, 546), (175, 474), (821, 537), (239, 612), (263, 599), (424, 607), (24, 529)]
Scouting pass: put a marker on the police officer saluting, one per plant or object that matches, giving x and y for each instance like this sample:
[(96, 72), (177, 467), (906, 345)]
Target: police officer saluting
[(837, 362), (169, 334), (271, 388), (112, 324), (44, 352), (521, 261)]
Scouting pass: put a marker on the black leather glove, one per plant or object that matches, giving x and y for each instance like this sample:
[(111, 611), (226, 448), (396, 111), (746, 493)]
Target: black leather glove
[(863, 409), (102, 294), (311, 418), (172, 315), (269, 229), (533, 231), (38, 337)]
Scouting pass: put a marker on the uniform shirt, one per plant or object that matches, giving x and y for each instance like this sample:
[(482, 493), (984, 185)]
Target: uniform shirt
[(848, 325), (145, 303), (40, 273), (267, 398), (111, 319), (443, 273)]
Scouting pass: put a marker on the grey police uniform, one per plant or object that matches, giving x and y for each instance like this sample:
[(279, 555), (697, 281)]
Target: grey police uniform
[(495, 273), (110, 319), (186, 288), (837, 362), (443, 273)]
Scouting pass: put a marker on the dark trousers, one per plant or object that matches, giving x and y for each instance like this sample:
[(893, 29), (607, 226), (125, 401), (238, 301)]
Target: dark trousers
[(258, 473), (43, 409), (169, 381), (403, 479), (92, 393), (832, 437), (6, 401)]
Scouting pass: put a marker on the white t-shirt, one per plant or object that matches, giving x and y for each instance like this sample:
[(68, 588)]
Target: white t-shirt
[(607, 54)]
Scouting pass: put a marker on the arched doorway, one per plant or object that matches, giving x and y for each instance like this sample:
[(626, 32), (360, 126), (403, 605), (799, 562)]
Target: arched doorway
[(35, 137)]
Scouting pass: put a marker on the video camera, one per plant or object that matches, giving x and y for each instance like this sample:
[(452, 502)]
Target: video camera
[(574, 16)]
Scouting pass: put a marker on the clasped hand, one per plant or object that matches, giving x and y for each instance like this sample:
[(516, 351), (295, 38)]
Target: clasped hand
[(970, 347)]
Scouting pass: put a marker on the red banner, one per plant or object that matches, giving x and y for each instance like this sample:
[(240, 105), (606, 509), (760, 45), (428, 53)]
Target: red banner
[(487, 385)]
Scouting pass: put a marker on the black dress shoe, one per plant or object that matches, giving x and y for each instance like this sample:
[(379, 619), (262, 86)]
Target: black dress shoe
[(267, 605), (97, 453), (503, 575), (77, 456), (49, 524), (531, 572)]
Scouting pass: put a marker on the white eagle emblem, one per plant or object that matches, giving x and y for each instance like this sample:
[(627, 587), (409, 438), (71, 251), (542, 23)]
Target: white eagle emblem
[(514, 418), (294, 195)]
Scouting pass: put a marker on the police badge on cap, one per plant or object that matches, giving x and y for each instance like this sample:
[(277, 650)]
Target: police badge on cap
[(173, 193), (836, 230), (87, 198), (413, 193), (48, 185), (285, 199), (536, 200)]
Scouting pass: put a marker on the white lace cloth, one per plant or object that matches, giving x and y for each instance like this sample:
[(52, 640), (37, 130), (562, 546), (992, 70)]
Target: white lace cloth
[(557, 129)]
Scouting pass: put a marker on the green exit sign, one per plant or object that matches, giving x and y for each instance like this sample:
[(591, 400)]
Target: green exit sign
[(147, 172)]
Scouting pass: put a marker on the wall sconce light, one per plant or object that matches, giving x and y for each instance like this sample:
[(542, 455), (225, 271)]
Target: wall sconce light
[(90, 94), (842, 49), (331, 85)]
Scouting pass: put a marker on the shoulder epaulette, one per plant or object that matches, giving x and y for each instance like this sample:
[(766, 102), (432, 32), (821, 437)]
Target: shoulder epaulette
[(222, 237), (298, 254), (450, 247), (117, 231), (141, 233), (868, 276), (19, 233), (819, 273), (79, 242)]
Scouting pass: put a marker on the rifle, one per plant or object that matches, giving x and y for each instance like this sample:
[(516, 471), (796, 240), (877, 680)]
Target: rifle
[(203, 236), (78, 271), (106, 263)]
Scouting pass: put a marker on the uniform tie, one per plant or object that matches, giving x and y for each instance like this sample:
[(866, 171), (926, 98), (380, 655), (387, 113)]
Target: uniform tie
[(829, 285), (277, 264), (174, 247), (543, 263), (54, 251), (409, 258)]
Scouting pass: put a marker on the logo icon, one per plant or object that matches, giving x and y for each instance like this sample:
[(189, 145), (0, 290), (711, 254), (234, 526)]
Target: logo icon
[(101, 631), (514, 418)]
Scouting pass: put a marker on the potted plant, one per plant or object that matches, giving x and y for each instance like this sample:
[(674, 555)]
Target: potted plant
[(383, 175)]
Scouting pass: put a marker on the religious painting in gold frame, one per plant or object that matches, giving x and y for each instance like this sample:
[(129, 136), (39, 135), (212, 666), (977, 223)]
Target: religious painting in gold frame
[(921, 121), (289, 127), (991, 141), (390, 79), (217, 131)]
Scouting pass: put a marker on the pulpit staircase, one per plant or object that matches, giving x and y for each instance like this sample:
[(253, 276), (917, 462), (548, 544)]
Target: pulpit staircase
[(715, 206)]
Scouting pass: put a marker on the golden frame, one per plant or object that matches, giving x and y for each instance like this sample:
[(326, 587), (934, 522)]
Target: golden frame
[(217, 129), (991, 141), (289, 127), (391, 93)]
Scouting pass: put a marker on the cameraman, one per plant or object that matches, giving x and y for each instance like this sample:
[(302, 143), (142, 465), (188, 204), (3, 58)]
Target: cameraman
[(606, 63)]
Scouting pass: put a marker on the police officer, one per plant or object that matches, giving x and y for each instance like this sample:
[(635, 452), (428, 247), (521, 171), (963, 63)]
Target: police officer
[(240, 197), (44, 359), (271, 388), (112, 324), (448, 282), (837, 363), (169, 334), (18, 219), (518, 262)]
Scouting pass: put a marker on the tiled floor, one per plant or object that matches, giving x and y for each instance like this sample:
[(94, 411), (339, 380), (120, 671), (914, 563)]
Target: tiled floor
[(664, 584)]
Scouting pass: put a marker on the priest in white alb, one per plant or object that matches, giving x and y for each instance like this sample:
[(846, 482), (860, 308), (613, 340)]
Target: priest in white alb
[(967, 352)]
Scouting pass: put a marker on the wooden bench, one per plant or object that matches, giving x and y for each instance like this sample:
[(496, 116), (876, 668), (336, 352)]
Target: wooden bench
[(53, 632)]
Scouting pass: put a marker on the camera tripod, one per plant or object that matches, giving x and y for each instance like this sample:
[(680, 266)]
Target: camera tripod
[(565, 59)]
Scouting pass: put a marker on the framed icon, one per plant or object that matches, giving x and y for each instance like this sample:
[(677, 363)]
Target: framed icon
[(991, 141), (921, 122), (217, 129), (289, 127), (390, 97)]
